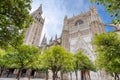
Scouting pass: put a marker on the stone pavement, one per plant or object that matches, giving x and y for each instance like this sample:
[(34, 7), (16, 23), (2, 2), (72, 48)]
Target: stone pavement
[(21, 79)]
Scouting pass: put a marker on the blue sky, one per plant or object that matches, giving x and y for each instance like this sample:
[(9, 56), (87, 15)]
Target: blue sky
[(55, 10)]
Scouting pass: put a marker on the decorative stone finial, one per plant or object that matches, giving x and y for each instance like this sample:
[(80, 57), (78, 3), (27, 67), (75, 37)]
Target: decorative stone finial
[(65, 18), (51, 39), (56, 37), (93, 9), (44, 40)]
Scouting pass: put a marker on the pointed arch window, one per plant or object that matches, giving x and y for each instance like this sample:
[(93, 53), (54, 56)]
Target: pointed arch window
[(78, 22)]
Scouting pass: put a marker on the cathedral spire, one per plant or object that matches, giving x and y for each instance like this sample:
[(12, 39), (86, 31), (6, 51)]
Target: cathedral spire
[(51, 39), (44, 40), (56, 37), (81, 12), (65, 18), (93, 10), (40, 9)]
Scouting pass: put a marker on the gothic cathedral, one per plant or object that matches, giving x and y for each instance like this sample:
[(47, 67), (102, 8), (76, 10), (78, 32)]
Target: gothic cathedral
[(77, 34)]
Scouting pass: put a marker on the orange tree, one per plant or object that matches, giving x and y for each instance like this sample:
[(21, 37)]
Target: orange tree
[(23, 58), (55, 59), (108, 53), (83, 63)]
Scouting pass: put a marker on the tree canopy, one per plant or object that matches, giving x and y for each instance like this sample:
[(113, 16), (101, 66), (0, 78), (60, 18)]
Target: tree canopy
[(2, 61), (83, 62), (112, 6), (23, 58), (108, 52), (14, 19), (56, 59)]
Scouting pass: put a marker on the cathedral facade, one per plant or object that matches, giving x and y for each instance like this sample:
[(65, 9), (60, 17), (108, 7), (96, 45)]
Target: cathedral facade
[(77, 34)]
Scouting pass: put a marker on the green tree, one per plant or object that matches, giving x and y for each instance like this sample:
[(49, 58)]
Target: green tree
[(68, 65), (108, 55), (112, 6), (83, 63), (14, 19), (23, 58), (42, 66), (38, 65), (2, 61), (55, 59)]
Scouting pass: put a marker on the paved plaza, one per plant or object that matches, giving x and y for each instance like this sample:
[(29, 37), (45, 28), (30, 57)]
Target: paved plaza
[(21, 79)]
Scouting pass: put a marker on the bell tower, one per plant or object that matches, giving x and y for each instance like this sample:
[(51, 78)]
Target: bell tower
[(33, 33)]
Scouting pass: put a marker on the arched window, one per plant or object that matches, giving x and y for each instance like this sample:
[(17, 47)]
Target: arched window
[(78, 22)]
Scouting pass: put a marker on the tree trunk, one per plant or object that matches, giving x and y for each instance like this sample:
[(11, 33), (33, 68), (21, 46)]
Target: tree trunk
[(29, 75), (46, 75), (70, 75), (85, 75), (8, 74), (1, 73), (81, 75), (54, 75), (76, 75), (116, 76), (19, 74), (61, 75), (89, 75)]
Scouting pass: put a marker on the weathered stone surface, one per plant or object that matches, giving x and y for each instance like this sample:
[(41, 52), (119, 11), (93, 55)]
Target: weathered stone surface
[(78, 33)]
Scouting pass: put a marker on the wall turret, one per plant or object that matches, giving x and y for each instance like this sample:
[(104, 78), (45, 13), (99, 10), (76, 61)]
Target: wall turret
[(51, 41), (65, 23), (96, 24), (56, 37), (44, 43), (65, 35)]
